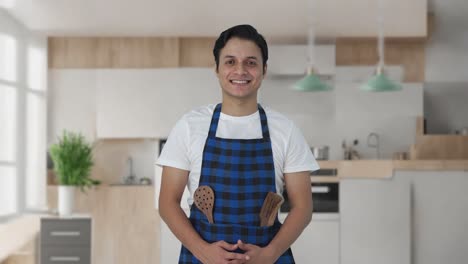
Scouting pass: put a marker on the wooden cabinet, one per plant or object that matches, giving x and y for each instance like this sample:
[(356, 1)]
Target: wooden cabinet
[(65, 240), (148, 103)]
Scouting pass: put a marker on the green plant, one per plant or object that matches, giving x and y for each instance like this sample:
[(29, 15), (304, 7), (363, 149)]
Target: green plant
[(73, 160)]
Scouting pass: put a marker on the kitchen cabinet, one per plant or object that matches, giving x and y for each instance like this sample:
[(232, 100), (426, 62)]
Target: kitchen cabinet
[(146, 103), (375, 221), (439, 215), (65, 240), (319, 242)]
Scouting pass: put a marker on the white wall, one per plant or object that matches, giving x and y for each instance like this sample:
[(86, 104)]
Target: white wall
[(446, 87)]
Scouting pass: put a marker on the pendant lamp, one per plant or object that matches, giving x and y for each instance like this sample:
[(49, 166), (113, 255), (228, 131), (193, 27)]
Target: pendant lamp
[(380, 82), (311, 82)]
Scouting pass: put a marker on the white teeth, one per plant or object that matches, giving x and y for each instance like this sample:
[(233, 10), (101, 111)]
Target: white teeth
[(239, 81)]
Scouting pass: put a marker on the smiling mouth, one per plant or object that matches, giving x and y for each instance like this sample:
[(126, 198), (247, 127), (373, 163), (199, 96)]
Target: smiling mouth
[(239, 81)]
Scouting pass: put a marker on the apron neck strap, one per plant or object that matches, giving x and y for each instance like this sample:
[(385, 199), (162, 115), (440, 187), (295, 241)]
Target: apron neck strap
[(217, 113)]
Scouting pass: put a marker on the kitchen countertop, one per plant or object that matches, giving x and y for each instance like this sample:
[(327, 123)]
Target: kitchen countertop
[(384, 168)]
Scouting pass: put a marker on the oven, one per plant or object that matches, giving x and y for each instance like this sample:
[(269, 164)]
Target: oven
[(325, 194)]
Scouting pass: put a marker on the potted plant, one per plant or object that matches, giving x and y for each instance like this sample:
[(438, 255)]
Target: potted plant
[(73, 160)]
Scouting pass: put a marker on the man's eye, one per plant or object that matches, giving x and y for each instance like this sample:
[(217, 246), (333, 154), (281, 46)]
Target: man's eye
[(230, 62), (252, 63)]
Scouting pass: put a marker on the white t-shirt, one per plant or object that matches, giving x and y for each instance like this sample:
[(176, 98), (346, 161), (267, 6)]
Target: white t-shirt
[(184, 146)]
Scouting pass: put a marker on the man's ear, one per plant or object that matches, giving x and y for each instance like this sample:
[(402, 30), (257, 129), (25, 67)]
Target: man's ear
[(265, 70)]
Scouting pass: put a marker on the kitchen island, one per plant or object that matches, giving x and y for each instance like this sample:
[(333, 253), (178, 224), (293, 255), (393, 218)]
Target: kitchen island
[(125, 222), (403, 211)]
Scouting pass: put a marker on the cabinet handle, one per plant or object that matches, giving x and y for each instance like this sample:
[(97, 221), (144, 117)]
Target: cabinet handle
[(65, 233), (320, 189), (64, 258)]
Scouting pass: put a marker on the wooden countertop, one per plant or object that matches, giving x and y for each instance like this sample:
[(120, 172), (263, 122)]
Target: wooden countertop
[(384, 168)]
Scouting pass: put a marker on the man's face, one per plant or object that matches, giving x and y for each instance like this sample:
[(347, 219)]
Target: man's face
[(240, 71)]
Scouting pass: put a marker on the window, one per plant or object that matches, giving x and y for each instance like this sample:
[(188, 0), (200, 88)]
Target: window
[(23, 93)]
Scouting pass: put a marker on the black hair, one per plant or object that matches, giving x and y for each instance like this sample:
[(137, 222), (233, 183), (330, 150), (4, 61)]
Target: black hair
[(246, 32)]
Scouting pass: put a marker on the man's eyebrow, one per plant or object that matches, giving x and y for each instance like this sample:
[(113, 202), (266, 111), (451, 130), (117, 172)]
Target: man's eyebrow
[(231, 57)]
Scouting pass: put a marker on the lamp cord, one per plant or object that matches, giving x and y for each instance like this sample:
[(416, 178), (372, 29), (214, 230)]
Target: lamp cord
[(311, 35), (381, 40)]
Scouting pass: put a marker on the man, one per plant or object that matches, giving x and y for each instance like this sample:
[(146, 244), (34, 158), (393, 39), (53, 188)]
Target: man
[(242, 151)]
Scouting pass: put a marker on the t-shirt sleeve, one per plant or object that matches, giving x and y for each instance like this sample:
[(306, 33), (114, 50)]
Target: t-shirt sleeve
[(175, 151), (298, 154)]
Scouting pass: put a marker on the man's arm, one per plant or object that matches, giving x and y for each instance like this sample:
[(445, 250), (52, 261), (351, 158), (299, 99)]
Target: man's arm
[(173, 183), (299, 194)]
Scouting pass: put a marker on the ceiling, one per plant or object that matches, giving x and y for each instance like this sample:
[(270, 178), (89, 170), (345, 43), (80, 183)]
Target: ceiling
[(273, 18)]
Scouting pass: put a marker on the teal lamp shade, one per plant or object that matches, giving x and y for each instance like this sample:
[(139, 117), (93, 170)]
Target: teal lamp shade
[(380, 83), (311, 83)]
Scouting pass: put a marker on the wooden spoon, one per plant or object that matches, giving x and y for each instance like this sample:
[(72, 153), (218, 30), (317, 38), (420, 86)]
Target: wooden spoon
[(270, 209), (204, 200)]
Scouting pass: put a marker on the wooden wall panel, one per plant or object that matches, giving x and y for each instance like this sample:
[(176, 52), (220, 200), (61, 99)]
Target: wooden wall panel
[(410, 53), (114, 52), (161, 52), (72, 52), (196, 52)]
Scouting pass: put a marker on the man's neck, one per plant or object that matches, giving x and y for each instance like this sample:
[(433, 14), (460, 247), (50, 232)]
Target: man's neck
[(239, 107)]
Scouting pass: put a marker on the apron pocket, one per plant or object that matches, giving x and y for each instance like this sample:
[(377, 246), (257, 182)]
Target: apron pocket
[(260, 236)]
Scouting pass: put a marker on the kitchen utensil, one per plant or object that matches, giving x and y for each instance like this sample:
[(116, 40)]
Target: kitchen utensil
[(349, 153), (320, 153), (204, 200), (270, 208), (400, 155)]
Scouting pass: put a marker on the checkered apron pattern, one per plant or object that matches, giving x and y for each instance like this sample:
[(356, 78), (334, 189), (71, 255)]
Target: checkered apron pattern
[(241, 172)]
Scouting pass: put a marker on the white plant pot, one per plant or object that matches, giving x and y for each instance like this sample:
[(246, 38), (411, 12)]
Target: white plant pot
[(66, 200)]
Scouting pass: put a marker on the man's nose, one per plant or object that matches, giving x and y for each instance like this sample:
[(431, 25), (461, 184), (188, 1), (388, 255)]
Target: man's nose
[(241, 68)]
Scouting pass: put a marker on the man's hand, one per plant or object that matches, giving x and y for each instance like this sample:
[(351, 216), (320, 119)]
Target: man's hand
[(257, 255), (219, 253)]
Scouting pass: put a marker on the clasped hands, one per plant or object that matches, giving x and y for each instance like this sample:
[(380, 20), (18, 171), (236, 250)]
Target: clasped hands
[(221, 253)]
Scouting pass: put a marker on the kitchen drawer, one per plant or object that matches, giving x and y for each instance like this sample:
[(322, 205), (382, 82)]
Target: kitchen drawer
[(65, 255), (65, 232)]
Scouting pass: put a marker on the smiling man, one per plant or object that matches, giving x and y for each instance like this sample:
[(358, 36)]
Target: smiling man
[(242, 151)]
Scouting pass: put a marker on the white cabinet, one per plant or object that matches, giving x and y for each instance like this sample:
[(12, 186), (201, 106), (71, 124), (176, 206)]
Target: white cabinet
[(375, 221), (319, 242), (170, 245), (147, 103), (440, 214)]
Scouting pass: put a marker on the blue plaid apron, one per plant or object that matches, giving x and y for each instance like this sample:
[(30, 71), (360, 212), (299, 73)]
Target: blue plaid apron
[(241, 172)]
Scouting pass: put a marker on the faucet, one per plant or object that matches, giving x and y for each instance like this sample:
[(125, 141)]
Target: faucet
[(376, 144), (130, 179)]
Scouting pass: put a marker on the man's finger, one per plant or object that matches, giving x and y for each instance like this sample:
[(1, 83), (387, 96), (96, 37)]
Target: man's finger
[(225, 245), (243, 245), (237, 256)]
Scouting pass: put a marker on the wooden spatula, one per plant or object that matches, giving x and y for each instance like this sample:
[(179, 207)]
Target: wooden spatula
[(204, 200), (270, 209)]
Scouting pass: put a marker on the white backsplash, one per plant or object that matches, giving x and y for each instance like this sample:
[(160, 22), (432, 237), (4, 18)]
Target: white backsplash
[(347, 113)]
